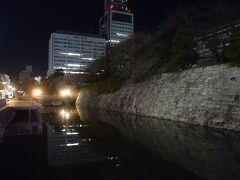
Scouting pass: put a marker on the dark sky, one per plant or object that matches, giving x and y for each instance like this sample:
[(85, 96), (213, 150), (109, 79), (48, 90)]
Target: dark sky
[(25, 26)]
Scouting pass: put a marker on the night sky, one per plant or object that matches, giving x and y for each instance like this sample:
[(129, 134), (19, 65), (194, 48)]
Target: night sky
[(25, 27)]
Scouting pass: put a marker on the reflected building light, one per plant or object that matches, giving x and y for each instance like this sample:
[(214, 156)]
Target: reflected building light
[(112, 158), (72, 144), (67, 115), (85, 140), (72, 133), (62, 112)]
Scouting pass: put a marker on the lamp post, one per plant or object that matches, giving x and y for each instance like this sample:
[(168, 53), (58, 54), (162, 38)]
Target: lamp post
[(37, 93), (65, 94)]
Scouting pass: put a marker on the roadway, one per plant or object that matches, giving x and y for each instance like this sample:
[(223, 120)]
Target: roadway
[(23, 104)]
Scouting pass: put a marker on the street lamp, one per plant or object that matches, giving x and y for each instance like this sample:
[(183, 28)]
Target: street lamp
[(37, 92), (65, 93)]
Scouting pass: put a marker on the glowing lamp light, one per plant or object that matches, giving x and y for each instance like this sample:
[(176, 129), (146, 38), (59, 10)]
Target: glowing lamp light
[(65, 114), (65, 93), (72, 144), (37, 92), (62, 112), (72, 133)]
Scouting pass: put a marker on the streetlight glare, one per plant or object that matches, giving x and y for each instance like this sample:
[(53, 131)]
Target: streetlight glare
[(37, 92), (65, 114), (65, 92)]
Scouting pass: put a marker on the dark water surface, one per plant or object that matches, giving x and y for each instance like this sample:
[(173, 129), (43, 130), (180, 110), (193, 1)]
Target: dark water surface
[(67, 143)]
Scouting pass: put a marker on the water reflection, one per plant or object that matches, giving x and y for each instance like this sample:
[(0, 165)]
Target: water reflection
[(26, 122), (71, 141), (77, 145), (209, 153)]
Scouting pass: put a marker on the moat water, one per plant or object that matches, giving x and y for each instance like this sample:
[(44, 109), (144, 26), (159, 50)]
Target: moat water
[(67, 143)]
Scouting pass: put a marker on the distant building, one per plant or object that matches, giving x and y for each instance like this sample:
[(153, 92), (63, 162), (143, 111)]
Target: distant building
[(4, 84), (26, 74), (74, 52), (4, 80), (117, 23), (215, 39), (29, 68)]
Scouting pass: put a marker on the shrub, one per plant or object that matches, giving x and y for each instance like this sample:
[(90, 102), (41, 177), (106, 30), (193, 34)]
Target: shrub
[(233, 51), (181, 54), (106, 87)]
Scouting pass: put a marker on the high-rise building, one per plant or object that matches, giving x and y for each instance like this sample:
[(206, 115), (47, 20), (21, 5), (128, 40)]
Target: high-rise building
[(120, 5), (26, 74), (117, 23), (73, 52)]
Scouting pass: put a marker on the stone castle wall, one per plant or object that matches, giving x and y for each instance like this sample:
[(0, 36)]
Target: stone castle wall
[(207, 96)]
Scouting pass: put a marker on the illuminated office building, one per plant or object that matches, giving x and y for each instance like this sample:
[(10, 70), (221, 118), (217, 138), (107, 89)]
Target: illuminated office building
[(117, 23), (74, 52)]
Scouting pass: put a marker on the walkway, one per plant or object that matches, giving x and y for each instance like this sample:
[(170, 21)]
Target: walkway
[(24, 104)]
